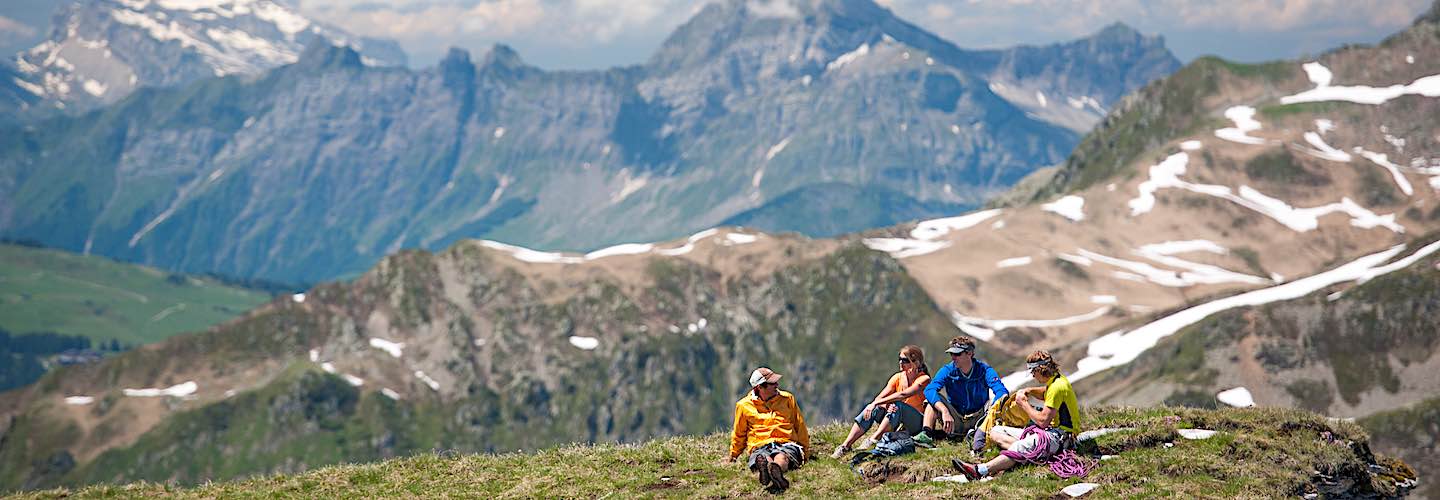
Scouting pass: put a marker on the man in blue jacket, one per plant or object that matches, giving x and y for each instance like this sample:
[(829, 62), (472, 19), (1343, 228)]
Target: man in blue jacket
[(966, 382)]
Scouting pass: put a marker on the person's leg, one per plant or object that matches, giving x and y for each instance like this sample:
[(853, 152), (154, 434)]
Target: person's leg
[(1004, 436), (996, 465), (760, 464), (966, 424), (1024, 446), (780, 463), (881, 429), (855, 432), (907, 418)]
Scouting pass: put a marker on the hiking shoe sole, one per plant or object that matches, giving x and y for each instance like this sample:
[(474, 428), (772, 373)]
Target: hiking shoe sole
[(777, 477), (765, 474), (966, 469)]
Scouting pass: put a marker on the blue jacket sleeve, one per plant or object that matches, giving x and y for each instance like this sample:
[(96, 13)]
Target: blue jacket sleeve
[(997, 387), (932, 390)]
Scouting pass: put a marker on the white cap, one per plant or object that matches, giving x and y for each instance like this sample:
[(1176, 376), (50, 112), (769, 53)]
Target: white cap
[(762, 375)]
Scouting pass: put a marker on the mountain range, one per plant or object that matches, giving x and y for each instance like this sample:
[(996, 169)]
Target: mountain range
[(743, 115), (1229, 235), (99, 51)]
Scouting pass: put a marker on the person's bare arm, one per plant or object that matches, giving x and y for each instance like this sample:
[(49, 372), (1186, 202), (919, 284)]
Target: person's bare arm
[(1040, 417), (916, 387)]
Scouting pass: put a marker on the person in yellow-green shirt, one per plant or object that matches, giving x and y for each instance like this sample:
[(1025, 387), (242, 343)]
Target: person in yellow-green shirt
[(1052, 428), (769, 426)]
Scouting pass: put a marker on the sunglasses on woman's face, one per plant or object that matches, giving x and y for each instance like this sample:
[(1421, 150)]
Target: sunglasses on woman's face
[(904, 361)]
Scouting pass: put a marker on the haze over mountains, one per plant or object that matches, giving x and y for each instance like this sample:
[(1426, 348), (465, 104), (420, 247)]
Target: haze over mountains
[(1225, 194), (741, 112)]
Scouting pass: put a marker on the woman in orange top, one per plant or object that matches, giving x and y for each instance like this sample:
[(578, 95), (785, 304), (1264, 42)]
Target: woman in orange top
[(899, 405)]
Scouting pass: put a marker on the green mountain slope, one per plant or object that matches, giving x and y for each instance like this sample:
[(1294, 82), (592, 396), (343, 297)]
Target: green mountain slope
[(492, 361), (56, 291), (1257, 454)]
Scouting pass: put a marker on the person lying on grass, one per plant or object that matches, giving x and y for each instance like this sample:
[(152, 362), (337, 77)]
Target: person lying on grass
[(1051, 430), (769, 426), (968, 384), (898, 405)]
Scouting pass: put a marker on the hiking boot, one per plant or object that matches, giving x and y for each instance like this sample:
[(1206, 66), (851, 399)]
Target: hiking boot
[(867, 444), (966, 469), (777, 477), (923, 439), (840, 451), (764, 472)]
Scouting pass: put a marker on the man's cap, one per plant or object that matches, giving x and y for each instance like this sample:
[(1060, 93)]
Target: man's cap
[(960, 349), (762, 375)]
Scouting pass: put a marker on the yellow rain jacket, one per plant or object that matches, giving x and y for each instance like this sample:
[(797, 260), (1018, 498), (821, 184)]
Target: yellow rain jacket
[(759, 422)]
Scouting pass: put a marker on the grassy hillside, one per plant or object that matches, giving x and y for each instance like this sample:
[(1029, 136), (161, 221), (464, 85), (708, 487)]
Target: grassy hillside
[(501, 356), (1258, 453), (1410, 433), (61, 292)]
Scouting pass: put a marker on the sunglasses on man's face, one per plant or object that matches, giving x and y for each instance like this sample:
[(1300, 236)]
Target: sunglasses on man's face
[(770, 384)]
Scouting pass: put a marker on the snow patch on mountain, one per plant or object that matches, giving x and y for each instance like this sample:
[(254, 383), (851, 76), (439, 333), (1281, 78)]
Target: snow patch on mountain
[(1361, 94), (1070, 207), (623, 249), (1166, 174), (586, 343), (848, 57), (394, 348), (984, 329), (1245, 122), (429, 382), (1014, 262), (925, 238), (1119, 348), (1323, 150), (177, 390), (1383, 160)]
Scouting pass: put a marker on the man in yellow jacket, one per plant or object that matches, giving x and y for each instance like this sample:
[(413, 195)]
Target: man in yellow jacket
[(769, 426)]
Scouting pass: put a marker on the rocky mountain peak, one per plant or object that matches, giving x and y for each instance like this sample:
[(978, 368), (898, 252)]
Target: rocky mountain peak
[(503, 55), (320, 54), (98, 51), (1430, 16)]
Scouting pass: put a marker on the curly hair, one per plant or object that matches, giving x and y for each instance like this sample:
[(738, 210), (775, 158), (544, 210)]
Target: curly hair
[(1047, 366)]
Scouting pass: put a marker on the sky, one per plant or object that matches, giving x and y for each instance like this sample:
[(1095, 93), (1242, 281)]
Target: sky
[(588, 34)]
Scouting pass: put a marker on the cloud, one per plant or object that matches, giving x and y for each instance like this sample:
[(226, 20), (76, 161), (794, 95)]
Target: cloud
[(418, 21), (12, 28), (600, 33)]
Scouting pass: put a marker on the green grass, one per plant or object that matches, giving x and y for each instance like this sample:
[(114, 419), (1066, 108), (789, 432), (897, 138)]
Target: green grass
[(56, 291), (1410, 433), (1258, 453)]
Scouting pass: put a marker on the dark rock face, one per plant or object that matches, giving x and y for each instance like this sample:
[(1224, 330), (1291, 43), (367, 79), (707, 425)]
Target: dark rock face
[(316, 169)]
